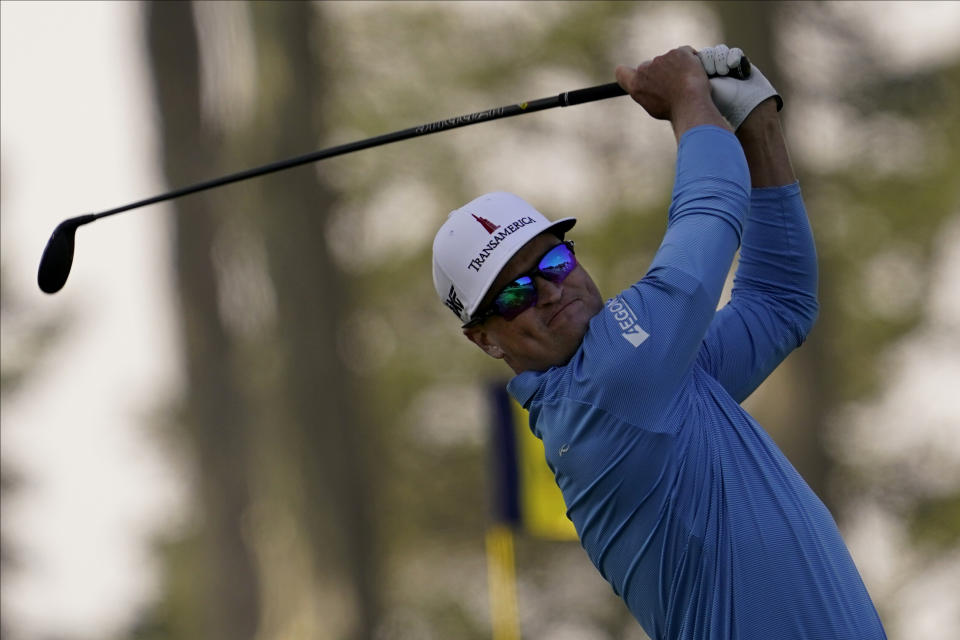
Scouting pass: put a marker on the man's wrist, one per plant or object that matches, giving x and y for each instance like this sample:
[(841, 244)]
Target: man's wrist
[(763, 116), (761, 137), (697, 110)]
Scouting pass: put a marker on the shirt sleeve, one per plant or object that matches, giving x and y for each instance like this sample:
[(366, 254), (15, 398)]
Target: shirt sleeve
[(774, 301), (647, 338)]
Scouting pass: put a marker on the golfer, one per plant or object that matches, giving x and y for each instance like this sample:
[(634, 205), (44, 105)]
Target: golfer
[(682, 501)]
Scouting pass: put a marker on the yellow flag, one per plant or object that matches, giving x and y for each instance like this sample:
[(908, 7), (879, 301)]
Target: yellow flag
[(525, 492), (542, 510)]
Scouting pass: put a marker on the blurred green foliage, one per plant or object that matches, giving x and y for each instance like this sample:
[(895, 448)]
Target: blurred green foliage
[(25, 344)]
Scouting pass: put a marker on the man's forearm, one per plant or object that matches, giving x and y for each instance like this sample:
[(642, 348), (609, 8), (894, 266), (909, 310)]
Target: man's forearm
[(764, 146)]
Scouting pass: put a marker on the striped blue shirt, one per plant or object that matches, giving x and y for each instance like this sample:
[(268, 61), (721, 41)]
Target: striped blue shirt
[(682, 501)]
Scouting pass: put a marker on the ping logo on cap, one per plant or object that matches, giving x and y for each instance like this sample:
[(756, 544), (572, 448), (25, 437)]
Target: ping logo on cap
[(453, 302), (489, 226)]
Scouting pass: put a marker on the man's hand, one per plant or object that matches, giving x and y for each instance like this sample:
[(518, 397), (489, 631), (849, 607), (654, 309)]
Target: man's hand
[(673, 87), (735, 98)]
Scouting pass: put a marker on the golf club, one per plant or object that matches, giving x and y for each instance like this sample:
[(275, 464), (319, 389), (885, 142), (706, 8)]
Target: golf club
[(57, 258)]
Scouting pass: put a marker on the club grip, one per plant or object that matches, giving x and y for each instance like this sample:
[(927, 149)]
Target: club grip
[(612, 90), (740, 72), (599, 92)]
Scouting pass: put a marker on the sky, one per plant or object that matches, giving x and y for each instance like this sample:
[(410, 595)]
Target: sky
[(77, 136)]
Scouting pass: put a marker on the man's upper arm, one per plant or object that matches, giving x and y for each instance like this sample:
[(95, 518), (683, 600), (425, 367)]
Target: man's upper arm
[(656, 326), (774, 301)]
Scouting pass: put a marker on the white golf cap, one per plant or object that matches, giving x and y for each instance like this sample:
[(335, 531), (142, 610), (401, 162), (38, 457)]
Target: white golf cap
[(477, 241)]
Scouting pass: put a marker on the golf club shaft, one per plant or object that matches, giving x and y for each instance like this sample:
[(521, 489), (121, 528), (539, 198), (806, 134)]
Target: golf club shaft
[(57, 258), (566, 99)]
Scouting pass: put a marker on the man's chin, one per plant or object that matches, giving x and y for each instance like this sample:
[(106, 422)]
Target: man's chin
[(569, 343)]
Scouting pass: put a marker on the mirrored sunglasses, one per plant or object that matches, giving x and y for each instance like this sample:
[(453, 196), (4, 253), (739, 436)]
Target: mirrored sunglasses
[(521, 294)]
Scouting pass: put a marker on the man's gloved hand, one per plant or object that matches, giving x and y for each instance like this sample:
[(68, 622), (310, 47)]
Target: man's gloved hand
[(735, 99)]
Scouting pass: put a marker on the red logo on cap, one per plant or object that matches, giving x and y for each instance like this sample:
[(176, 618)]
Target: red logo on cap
[(489, 226)]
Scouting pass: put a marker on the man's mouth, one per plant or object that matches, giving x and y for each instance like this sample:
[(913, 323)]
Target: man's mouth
[(560, 311)]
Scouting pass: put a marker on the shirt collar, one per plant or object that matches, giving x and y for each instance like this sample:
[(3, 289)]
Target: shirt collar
[(525, 385)]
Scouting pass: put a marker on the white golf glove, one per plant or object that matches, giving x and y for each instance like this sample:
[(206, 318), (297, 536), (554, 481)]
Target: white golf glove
[(735, 99)]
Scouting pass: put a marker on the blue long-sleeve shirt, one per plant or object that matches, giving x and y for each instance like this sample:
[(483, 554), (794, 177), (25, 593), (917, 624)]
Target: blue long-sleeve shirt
[(681, 500)]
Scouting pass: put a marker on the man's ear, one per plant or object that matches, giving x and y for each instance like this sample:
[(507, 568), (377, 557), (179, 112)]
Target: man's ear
[(478, 336)]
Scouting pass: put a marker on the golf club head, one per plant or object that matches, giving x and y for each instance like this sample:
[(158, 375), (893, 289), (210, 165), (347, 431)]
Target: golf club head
[(57, 258)]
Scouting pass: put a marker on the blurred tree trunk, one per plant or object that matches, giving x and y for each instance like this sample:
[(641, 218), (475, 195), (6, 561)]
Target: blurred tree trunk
[(214, 403), (329, 441), (796, 413)]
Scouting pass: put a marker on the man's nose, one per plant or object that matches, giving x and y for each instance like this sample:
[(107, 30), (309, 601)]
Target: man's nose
[(548, 292)]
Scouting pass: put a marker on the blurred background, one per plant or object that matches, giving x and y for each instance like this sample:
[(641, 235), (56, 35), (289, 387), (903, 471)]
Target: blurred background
[(247, 416)]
